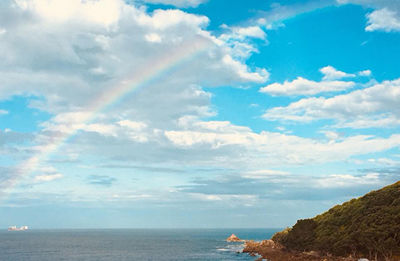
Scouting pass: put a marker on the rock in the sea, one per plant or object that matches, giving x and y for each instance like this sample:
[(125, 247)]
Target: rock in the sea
[(233, 238), (269, 243)]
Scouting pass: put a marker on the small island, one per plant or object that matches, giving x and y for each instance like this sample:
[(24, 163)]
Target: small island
[(366, 228), (234, 238)]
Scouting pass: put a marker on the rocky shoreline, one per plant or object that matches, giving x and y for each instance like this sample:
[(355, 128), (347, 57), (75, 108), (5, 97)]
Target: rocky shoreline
[(269, 250)]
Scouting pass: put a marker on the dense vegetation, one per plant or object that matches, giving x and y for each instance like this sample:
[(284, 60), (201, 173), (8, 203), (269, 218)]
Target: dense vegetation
[(368, 226)]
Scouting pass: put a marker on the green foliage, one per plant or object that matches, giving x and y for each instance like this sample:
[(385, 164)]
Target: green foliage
[(302, 235), (281, 236), (368, 226)]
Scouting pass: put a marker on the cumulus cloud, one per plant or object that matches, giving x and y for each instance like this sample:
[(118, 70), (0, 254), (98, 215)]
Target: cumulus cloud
[(362, 108), (75, 56), (105, 12), (383, 20), (217, 144), (385, 17), (250, 31), (331, 73), (365, 73), (270, 148), (241, 40), (3, 112), (88, 48), (301, 86)]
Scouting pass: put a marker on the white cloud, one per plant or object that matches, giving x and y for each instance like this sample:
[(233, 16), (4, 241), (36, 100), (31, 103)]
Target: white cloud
[(163, 19), (346, 180), (385, 17), (358, 108), (251, 31), (134, 125), (331, 135), (104, 12), (218, 144), (385, 161), (3, 112), (178, 3), (301, 86), (240, 40), (82, 65), (94, 46), (330, 73), (231, 199), (278, 13), (104, 129), (383, 20), (46, 178), (85, 51), (387, 120), (266, 148), (242, 70), (135, 130), (365, 73), (264, 174), (152, 37), (190, 138), (47, 173), (71, 122)]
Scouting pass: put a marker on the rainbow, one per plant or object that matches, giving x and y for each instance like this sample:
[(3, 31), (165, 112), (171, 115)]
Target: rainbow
[(152, 71)]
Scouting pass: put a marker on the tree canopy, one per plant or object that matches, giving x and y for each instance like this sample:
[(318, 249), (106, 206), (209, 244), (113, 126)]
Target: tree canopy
[(368, 226)]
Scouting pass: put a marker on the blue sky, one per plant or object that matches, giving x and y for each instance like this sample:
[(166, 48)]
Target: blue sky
[(172, 113)]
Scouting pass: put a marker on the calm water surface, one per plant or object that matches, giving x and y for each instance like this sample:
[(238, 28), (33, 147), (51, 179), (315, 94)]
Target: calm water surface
[(130, 244)]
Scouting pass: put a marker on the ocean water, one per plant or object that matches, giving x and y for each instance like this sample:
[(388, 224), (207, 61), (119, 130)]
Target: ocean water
[(126, 244)]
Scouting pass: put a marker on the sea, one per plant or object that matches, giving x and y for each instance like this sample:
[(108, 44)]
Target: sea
[(127, 244)]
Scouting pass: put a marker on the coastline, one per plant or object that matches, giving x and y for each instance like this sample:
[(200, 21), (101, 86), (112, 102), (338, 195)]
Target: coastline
[(269, 250)]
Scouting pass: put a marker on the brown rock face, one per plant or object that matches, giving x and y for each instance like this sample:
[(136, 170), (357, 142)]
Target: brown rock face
[(270, 250), (233, 238)]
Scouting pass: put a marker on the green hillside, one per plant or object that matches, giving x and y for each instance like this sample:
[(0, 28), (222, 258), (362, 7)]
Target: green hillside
[(368, 226)]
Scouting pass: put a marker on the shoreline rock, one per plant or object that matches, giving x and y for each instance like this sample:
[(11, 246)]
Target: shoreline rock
[(269, 250), (234, 238)]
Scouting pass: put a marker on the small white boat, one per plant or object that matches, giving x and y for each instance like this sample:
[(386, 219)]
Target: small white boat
[(15, 228)]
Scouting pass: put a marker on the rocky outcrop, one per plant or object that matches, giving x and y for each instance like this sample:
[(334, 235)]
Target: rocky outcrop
[(252, 246), (269, 250), (234, 238)]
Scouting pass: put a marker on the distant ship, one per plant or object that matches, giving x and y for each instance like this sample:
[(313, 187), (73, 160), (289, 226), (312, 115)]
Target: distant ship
[(15, 228)]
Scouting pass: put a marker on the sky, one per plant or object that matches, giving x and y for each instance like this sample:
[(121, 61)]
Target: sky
[(196, 113)]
